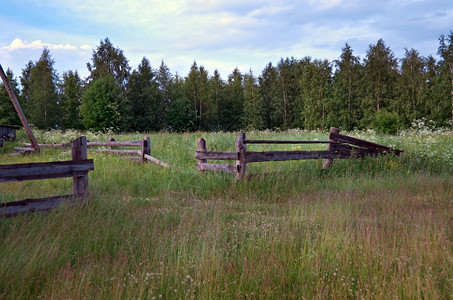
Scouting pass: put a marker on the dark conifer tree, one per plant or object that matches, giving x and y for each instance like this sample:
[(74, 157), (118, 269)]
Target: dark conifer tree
[(8, 114), (145, 99), (70, 100), (346, 92), (42, 105)]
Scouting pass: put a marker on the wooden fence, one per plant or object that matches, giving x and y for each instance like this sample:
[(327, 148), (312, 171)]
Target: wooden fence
[(140, 155), (77, 168), (338, 147)]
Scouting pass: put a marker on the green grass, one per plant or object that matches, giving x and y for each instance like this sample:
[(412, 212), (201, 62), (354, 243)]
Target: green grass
[(370, 228)]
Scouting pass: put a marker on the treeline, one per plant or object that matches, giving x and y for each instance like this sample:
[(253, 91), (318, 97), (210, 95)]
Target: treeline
[(380, 91)]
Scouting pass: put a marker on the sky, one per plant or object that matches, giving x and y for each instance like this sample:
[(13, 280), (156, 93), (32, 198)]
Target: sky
[(217, 34)]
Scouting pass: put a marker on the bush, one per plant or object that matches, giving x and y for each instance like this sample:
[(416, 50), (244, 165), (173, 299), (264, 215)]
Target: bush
[(386, 122)]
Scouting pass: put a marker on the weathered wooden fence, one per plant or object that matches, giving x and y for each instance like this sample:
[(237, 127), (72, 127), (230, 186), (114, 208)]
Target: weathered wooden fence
[(338, 147), (143, 154), (77, 168)]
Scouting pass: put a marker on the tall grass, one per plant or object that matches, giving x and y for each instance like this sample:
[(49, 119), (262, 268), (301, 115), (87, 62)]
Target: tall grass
[(370, 228)]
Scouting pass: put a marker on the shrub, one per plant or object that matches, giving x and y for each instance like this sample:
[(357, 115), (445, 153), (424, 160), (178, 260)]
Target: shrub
[(386, 122)]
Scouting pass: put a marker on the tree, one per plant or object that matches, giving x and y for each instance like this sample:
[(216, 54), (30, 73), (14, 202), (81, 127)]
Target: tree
[(288, 90), (70, 100), (197, 91), (145, 99), (217, 93), (316, 91), (42, 105), (108, 60), (410, 87), (253, 104), (380, 75), (269, 93), (181, 116), (446, 52), (25, 82), (8, 114), (231, 106), (346, 92), (104, 106)]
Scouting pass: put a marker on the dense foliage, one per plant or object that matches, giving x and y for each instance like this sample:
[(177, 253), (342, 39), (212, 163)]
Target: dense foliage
[(301, 93)]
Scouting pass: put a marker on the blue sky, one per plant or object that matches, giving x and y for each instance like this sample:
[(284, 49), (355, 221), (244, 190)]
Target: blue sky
[(218, 34)]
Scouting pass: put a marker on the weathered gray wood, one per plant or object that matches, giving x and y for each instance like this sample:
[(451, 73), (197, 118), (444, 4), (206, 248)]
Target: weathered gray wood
[(155, 160), (12, 209), (216, 155), (117, 151), (328, 161), (79, 152), (217, 167), (146, 148), (353, 152), (284, 142), (291, 155), (33, 171), (362, 143), (115, 144), (111, 139), (241, 149), (61, 145), (23, 149), (201, 147), (19, 111)]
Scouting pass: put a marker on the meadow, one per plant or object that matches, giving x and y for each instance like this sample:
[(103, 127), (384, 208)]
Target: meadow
[(373, 228)]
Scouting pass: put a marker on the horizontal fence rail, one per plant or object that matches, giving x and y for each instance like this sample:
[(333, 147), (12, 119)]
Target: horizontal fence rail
[(139, 155), (338, 147), (48, 170), (77, 168)]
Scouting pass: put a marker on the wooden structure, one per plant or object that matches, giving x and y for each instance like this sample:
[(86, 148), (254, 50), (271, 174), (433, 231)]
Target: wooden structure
[(19, 111), (338, 147), (7, 133), (143, 154), (77, 168)]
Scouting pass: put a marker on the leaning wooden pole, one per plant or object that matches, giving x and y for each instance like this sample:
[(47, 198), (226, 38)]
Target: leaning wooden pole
[(19, 110)]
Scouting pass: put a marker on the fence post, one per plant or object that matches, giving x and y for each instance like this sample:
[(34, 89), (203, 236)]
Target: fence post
[(241, 149), (79, 152), (328, 161), (111, 139), (146, 148), (201, 146)]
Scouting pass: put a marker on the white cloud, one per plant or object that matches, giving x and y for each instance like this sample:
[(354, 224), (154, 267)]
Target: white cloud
[(18, 44)]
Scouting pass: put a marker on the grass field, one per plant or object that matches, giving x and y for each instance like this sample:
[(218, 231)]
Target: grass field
[(369, 228)]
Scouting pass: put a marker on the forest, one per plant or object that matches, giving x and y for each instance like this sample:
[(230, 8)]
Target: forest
[(380, 91)]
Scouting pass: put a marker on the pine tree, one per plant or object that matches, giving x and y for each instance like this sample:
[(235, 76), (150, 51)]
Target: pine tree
[(145, 99), (269, 93), (25, 82), (379, 80), (288, 90), (231, 107), (446, 52), (217, 93), (253, 104), (70, 100), (316, 90), (8, 114), (410, 87), (346, 82), (42, 105), (197, 91)]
